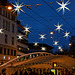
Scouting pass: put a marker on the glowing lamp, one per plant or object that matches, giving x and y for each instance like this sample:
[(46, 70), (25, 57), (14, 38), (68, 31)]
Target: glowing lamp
[(70, 44), (51, 33), (43, 48), (54, 64), (35, 43), (9, 7)]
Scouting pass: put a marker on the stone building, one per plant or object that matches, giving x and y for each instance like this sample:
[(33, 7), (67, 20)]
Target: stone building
[(8, 25)]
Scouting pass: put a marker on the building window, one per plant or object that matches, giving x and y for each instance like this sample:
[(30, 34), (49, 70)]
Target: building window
[(8, 26), (6, 13), (4, 23), (13, 17), (11, 52), (4, 50), (6, 38), (9, 15), (13, 28), (12, 40), (14, 52), (3, 12), (0, 10), (0, 50), (8, 51)]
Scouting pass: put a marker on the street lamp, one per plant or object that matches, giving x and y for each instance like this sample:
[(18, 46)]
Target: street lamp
[(9, 8)]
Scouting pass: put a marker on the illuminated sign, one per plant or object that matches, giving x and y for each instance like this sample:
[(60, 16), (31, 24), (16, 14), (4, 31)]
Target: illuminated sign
[(53, 70), (6, 58)]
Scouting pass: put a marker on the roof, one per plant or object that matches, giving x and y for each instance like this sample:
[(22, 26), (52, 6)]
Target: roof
[(31, 46)]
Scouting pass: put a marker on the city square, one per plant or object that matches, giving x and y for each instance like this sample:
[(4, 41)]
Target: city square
[(37, 37)]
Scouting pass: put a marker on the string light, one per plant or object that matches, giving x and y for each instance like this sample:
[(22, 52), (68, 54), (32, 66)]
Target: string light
[(43, 48), (61, 50), (59, 47), (55, 42), (58, 27), (35, 43), (20, 36), (42, 36), (26, 29), (18, 7), (70, 44), (51, 33), (63, 6), (67, 34)]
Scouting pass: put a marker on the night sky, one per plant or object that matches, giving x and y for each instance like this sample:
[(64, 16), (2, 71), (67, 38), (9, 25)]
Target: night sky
[(42, 19)]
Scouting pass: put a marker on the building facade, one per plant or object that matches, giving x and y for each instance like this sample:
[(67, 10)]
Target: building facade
[(39, 48), (8, 25)]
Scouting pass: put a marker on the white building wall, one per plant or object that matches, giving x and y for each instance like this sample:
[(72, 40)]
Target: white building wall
[(9, 33)]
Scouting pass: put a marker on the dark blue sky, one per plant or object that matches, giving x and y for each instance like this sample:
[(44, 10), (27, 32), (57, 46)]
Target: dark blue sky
[(50, 18)]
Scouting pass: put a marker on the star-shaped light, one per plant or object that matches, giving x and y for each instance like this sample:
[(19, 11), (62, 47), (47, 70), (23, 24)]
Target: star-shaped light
[(67, 34), (35, 43), (63, 6), (27, 29), (42, 36), (61, 50), (59, 47), (43, 48), (20, 36), (1, 31), (58, 27), (55, 42), (18, 7)]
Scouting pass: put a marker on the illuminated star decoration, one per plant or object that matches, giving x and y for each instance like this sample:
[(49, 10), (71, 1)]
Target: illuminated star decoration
[(35, 43), (27, 29), (67, 34), (59, 47), (61, 50), (43, 48), (1, 31), (42, 36), (55, 42), (20, 36), (58, 27), (18, 7), (63, 6)]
